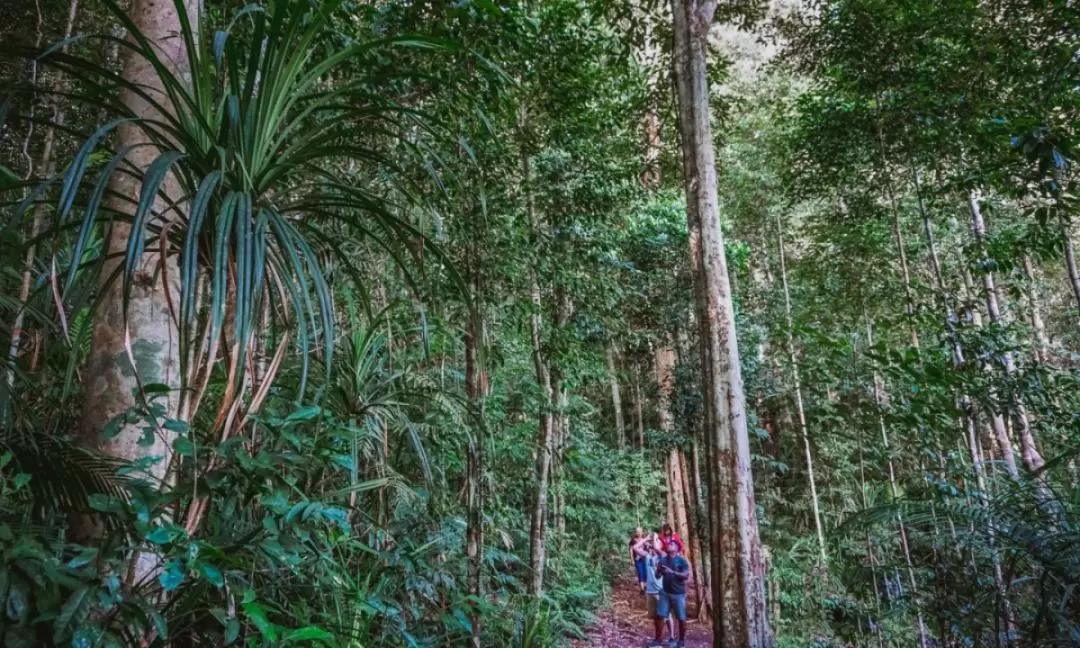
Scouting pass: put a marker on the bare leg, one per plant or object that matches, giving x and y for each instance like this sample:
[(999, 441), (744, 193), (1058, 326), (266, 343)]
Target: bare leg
[(682, 630), (670, 627), (658, 626)]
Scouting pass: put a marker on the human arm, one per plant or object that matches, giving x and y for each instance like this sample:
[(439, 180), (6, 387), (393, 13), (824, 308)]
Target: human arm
[(682, 572)]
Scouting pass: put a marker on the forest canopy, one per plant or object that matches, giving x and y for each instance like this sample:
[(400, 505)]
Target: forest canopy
[(386, 323)]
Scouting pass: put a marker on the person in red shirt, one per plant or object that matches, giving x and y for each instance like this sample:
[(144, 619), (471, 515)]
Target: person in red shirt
[(669, 535)]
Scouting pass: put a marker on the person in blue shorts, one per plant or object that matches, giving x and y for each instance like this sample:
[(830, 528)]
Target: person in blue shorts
[(675, 571), (655, 586)]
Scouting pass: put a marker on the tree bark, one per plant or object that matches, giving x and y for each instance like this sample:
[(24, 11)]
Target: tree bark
[(701, 568), (137, 346), (739, 613), (1001, 434), (639, 416), (563, 311), (1029, 452), (545, 425), (664, 366), (1038, 325), (616, 398), (1070, 263), (474, 505)]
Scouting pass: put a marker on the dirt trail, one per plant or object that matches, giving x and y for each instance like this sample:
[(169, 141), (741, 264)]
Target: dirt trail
[(625, 623)]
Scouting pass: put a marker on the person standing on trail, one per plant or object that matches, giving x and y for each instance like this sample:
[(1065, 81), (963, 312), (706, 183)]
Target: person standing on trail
[(638, 551), (654, 587), (675, 571), (668, 536)]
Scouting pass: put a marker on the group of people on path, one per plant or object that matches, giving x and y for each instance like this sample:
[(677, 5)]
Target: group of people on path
[(662, 572)]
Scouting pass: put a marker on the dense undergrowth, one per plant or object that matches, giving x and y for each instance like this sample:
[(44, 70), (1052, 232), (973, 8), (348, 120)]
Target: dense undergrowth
[(426, 257)]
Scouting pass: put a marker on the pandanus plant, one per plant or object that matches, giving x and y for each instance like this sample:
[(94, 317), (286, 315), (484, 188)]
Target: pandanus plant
[(246, 160)]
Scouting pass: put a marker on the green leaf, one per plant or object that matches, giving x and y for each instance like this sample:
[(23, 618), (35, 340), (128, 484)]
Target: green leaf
[(16, 606), (105, 503), (72, 608), (163, 535), (184, 447), (257, 615), (114, 426), (85, 557), (174, 425), (212, 574), (158, 620), (232, 630), (308, 633), (172, 577), (308, 413)]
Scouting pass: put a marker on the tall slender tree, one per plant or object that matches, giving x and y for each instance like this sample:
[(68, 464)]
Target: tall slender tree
[(738, 578)]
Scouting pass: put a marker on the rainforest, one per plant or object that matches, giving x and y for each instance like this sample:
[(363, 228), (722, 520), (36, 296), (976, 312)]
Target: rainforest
[(539, 323)]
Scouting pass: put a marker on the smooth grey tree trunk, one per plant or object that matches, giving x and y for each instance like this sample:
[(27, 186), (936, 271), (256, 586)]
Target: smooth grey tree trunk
[(139, 347), (1070, 263), (1038, 325), (546, 423), (616, 397), (739, 612), (1029, 452)]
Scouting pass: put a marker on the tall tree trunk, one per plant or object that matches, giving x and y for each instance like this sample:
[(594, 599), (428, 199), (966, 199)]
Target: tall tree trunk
[(677, 498), (664, 368), (563, 311), (474, 505), (1070, 262), (138, 345), (701, 568), (545, 427), (545, 434), (616, 397), (650, 176), (561, 433), (1038, 325), (639, 416), (739, 613), (48, 164), (1029, 452), (800, 410), (664, 364), (1001, 434)]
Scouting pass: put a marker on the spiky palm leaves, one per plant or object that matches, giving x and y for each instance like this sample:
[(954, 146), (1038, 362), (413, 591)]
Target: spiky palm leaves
[(1010, 531), (270, 156), (277, 152)]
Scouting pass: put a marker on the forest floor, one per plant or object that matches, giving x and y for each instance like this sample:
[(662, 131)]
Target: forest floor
[(624, 623)]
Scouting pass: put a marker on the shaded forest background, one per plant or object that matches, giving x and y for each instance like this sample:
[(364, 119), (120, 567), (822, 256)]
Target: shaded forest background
[(374, 324)]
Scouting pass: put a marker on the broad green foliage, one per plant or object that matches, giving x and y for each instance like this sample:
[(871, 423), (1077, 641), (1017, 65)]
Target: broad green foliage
[(377, 199)]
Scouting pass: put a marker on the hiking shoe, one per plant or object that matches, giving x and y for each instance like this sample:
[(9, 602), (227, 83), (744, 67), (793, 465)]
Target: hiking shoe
[(681, 644), (653, 643)]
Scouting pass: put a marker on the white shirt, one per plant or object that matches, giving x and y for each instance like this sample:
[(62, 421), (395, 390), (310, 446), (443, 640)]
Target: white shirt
[(653, 583)]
